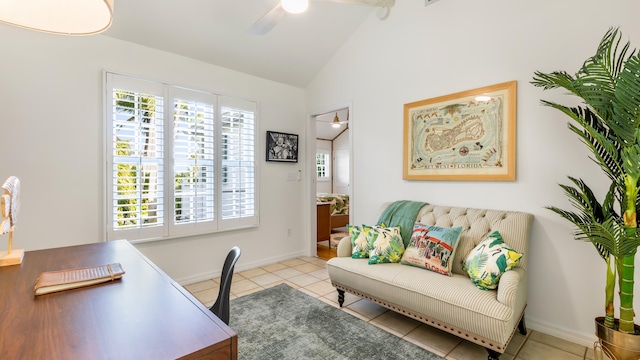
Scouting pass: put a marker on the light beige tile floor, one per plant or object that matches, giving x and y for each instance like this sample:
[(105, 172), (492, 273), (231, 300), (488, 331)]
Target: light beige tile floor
[(309, 275)]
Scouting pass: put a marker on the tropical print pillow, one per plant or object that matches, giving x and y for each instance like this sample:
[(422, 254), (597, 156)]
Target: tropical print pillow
[(386, 245), (491, 258), (432, 247), (360, 248)]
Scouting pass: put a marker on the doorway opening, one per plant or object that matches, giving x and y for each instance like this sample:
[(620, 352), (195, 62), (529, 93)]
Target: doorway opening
[(332, 179)]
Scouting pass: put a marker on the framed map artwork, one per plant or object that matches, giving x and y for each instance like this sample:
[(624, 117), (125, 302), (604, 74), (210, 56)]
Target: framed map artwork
[(470, 135)]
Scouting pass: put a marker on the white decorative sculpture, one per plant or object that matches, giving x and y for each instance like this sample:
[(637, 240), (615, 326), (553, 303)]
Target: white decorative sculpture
[(10, 204)]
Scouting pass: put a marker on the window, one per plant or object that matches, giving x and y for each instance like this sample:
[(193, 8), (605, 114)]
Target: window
[(180, 162), (323, 164), (238, 163)]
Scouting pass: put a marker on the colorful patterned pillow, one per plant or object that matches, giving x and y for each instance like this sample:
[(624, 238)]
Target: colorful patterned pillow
[(360, 248), (432, 248), (491, 258), (386, 245)]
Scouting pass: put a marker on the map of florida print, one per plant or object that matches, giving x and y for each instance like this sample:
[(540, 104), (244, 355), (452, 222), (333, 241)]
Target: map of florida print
[(463, 135)]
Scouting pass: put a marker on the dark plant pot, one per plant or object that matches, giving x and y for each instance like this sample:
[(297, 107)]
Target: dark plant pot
[(617, 345)]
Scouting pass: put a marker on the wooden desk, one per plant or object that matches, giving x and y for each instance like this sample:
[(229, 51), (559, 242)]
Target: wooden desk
[(144, 315), (323, 221)]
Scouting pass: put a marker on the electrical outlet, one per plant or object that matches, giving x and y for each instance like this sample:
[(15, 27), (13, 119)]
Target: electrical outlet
[(291, 176)]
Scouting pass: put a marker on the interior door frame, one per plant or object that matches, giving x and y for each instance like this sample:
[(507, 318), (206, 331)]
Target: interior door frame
[(311, 161)]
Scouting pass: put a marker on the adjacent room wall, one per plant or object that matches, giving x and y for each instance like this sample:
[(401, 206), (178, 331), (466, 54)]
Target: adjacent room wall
[(340, 165), (422, 52), (51, 128)]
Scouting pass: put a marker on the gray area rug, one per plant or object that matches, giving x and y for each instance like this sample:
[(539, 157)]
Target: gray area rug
[(284, 323)]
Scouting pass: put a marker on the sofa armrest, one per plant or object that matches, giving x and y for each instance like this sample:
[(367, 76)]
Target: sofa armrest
[(344, 247), (512, 288)]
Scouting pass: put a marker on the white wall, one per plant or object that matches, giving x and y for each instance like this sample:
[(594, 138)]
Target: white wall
[(455, 45), (340, 164), (51, 137)]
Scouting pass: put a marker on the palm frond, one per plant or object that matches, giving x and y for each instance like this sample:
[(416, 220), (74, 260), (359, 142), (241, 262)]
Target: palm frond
[(609, 83), (583, 199), (590, 213), (554, 80), (611, 236), (596, 80), (597, 223), (594, 133), (631, 157), (626, 113), (606, 152)]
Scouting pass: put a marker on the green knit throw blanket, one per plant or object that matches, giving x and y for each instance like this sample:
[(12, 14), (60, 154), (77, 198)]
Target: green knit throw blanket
[(401, 213)]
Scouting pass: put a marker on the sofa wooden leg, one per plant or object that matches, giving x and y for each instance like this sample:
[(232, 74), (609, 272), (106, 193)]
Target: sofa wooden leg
[(522, 327), (340, 297), (493, 355)]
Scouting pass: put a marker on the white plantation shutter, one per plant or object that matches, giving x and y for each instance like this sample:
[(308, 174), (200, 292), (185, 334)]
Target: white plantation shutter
[(193, 161), (136, 170), (178, 163), (238, 205)]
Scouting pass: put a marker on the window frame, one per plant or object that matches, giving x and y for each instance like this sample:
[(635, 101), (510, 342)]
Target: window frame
[(169, 229), (327, 165)]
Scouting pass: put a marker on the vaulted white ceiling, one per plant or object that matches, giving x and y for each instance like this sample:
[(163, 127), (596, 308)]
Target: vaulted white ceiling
[(215, 31)]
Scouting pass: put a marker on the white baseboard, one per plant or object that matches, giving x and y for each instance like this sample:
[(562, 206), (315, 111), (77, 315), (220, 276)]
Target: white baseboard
[(584, 339), (186, 280)]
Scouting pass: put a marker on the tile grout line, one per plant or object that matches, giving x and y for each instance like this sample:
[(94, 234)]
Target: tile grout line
[(526, 338)]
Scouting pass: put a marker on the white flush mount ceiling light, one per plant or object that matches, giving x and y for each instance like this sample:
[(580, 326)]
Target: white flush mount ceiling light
[(65, 17), (284, 7), (295, 6)]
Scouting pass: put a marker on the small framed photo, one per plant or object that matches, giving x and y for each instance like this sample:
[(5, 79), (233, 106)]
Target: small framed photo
[(282, 147)]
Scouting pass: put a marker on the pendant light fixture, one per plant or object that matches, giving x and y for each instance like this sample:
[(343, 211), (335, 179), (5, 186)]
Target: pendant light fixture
[(64, 17), (336, 122)]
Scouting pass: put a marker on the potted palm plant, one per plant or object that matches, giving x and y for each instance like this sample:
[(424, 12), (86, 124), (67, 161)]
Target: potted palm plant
[(608, 122)]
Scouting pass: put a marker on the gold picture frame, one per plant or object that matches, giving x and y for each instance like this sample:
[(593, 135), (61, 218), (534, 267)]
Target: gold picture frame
[(470, 135)]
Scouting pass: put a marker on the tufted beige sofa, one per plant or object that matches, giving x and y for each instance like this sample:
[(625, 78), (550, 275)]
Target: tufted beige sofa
[(450, 303)]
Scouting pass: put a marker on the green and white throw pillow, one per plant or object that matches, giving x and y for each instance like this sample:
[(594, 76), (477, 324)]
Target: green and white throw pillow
[(360, 248), (491, 258), (432, 248), (386, 245)]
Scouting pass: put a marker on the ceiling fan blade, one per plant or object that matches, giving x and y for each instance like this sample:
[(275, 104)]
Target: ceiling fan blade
[(268, 21), (378, 3)]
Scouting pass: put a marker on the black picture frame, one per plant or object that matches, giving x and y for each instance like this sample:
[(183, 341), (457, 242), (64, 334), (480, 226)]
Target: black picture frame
[(282, 147)]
